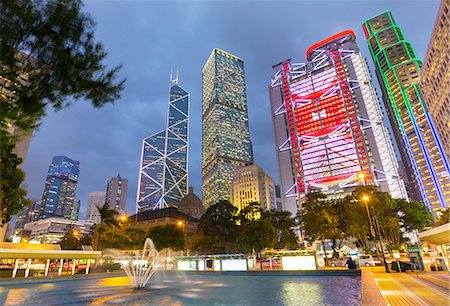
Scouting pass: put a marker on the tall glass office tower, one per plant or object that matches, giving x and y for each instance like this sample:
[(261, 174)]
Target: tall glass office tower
[(58, 199), (398, 71), (226, 141), (163, 172), (328, 124)]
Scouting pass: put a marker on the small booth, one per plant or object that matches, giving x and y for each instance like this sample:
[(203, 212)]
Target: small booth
[(291, 260), (220, 262), (439, 236)]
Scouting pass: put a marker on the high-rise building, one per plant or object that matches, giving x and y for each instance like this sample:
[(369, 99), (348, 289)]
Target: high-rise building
[(226, 141), (252, 184), (278, 200), (328, 124), (96, 199), (58, 199), (28, 214), (52, 230), (163, 174), (116, 193), (398, 71), (435, 76)]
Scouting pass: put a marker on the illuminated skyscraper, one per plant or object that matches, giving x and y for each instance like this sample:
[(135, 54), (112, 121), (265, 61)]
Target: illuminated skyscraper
[(58, 199), (96, 200), (116, 193), (398, 71), (328, 125), (226, 141), (435, 77), (163, 172)]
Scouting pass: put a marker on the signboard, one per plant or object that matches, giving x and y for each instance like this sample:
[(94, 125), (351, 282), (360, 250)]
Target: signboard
[(298, 263)]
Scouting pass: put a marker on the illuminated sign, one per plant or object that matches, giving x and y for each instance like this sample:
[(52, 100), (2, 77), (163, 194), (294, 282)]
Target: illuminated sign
[(298, 263), (186, 265), (234, 264)]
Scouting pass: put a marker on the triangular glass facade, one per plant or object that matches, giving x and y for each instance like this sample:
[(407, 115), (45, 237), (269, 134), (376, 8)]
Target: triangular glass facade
[(163, 173)]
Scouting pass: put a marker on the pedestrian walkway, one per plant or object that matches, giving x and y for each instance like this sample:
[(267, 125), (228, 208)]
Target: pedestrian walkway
[(411, 288)]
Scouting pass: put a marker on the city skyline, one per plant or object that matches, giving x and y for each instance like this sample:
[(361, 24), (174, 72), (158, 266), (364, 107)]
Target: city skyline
[(83, 145)]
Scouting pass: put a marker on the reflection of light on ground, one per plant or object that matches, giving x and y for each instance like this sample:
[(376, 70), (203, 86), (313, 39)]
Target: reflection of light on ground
[(216, 285), (16, 296), (102, 300), (188, 295), (115, 281), (291, 293)]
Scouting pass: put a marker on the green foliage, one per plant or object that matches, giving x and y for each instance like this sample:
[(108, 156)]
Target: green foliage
[(283, 223), (167, 236), (256, 235), (73, 240), (12, 195), (108, 219), (413, 215), (443, 217), (249, 213), (217, 229), (49, 52)]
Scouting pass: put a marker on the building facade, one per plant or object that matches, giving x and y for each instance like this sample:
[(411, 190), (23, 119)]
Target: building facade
[(226, 141), (96, 199), (27, 215), (328, 124), (116, 193), (252, 184), (52, 230), (435, 76), (58, 199), (163, 174), (398, 71)]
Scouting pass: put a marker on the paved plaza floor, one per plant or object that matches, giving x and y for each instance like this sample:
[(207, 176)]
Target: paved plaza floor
[(408, 288)]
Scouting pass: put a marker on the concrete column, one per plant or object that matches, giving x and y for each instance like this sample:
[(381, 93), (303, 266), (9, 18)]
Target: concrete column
[(27, 271), (16, 265), (61, 263), (47, 266), (74, 262), (87, 266)]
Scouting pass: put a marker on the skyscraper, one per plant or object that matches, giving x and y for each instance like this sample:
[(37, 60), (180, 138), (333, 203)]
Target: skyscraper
[(252, 184), (328, 124), (226, 141), (58, 199), (96, 199), (398, 71), (163, 174), (116, 193), (435, 77)]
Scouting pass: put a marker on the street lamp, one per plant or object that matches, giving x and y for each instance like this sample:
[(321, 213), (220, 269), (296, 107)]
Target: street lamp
[(362, 176), (375, 231)]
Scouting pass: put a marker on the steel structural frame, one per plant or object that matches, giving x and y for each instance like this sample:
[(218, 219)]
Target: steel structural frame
[(166, 156), (323, 57)]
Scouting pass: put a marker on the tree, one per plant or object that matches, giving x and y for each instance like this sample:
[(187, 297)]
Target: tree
[(108, 219), (249, 213), (48, 53), (283, 223), (74, 240), (217, 229), (412, 215), (443, 217), (12, 194), (256, 235), (319, 220), (167, 236)]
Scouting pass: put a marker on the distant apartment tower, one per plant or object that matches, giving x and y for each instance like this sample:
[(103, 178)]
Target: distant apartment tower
[(328, 124), (116, 193), (96, 199), (398, 70), (28, 214), (252, 184), (163, 174), (226, 141), (58, 199), (278, 200), (435, 77)]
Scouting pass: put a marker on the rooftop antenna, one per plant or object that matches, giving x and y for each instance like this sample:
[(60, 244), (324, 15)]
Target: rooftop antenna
[(173, 81)]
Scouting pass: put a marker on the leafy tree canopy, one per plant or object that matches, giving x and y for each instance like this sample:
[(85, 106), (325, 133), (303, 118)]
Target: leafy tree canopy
[(167, 236), (256, 235), (283, 222)]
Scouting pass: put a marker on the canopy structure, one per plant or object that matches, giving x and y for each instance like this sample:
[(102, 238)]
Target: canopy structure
[(438, 235)]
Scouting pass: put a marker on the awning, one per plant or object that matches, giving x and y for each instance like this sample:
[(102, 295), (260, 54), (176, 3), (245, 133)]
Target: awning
[(438, 235), (48, 254)]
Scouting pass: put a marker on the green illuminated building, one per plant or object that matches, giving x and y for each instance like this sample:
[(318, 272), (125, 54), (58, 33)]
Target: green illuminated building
[(398, 71), (226, 141)]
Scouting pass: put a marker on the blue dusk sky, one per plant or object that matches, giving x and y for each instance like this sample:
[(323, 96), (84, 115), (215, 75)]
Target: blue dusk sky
[(150, 37)]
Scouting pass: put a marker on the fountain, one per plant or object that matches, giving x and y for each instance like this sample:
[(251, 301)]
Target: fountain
[(139, 267)]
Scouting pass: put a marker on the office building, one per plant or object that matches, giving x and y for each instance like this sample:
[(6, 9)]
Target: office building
[(116, 193), (58, 199), (226, 141), (96, 200), (278, 200), (252, 184), (163, 172), (27, 215), (328, 125), (52, 230), (435, 76), (398, 71)]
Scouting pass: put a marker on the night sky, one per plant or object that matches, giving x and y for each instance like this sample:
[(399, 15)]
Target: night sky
[(150, 37)]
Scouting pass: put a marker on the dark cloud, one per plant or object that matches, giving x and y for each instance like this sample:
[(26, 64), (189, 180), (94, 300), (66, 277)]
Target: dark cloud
[(150, 37)]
